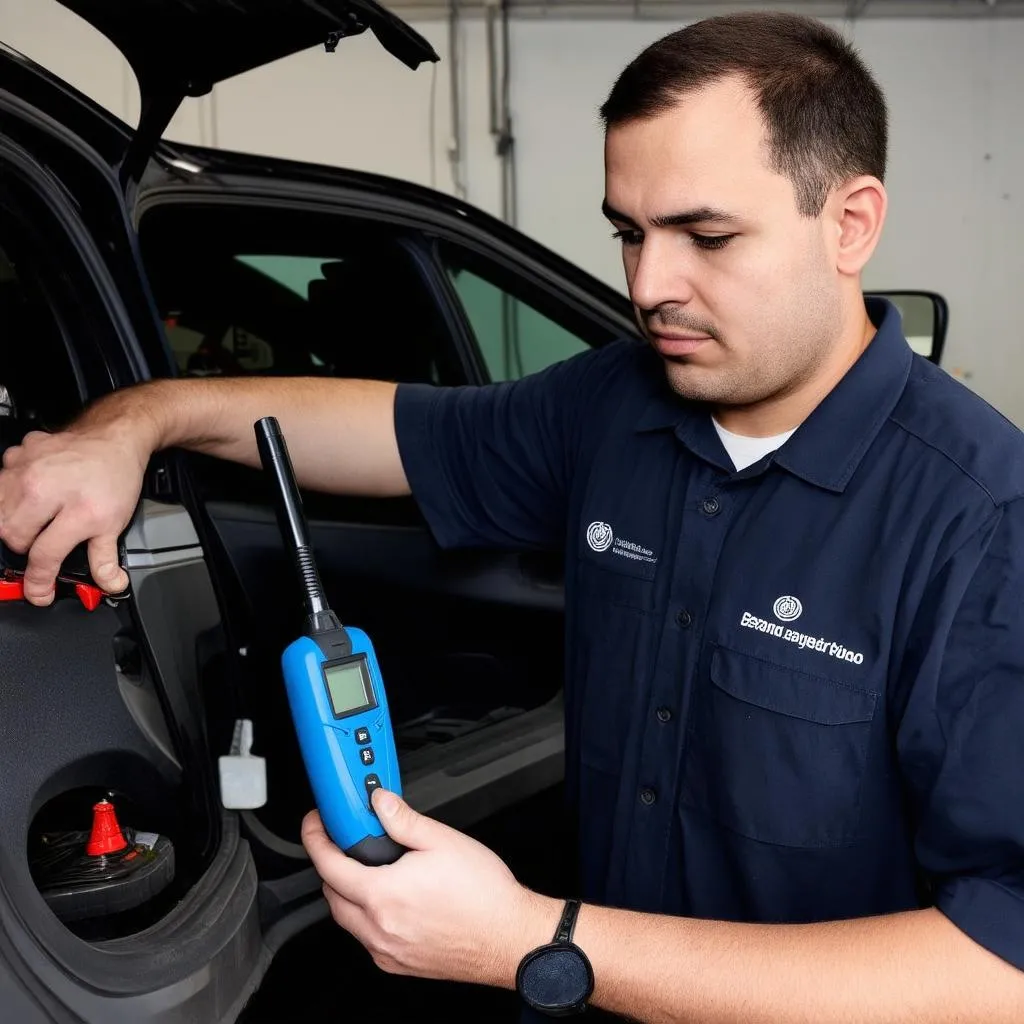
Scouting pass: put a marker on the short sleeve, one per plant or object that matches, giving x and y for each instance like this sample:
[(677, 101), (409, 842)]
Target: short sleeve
[(961, 737), (491, 465)]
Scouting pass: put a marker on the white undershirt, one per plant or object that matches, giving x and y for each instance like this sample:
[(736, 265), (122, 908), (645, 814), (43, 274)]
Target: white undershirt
[(745, 451)]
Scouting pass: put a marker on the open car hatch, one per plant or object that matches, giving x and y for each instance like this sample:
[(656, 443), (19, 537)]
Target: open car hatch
[(179, 48)]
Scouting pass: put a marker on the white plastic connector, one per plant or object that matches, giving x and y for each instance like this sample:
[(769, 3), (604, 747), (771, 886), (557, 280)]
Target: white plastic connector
[(243, 777)]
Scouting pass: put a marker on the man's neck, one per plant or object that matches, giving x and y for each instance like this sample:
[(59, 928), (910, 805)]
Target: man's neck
[(789, 409)]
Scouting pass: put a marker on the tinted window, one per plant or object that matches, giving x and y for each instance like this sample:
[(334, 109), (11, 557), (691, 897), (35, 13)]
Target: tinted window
[(271, 314), (521, 324), (205, 344), (244, 292), (514, 338)]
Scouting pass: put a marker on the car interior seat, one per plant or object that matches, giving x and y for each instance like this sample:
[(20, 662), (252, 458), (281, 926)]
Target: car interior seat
[(374, 318)]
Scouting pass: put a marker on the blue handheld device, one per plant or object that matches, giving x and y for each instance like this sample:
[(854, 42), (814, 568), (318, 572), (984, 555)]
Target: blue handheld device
[(335, 690)]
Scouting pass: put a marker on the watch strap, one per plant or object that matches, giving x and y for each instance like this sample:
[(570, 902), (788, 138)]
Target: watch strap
[(567, 924)]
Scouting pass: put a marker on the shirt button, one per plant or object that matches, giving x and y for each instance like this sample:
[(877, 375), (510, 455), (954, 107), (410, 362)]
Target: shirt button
[(684, 618), (647, 796), (664, 714), (711, 506)]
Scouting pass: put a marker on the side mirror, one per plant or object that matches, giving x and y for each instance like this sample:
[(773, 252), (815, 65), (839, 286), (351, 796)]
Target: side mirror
[(925, 318)]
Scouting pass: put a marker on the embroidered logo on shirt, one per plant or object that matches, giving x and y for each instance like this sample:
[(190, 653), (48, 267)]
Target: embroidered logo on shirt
[(787, 609), (794, 636), (601, 537)]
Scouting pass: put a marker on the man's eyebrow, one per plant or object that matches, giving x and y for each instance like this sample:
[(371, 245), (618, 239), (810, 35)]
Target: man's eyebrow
[(700, 215), (614, 215)]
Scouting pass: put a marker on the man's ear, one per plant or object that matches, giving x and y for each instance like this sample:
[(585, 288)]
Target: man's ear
[(857, 213)]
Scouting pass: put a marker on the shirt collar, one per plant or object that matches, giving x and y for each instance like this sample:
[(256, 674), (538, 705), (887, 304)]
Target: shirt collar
[(828, 446)]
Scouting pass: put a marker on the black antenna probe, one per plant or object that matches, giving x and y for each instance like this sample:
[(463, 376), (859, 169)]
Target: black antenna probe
[(292, 522)]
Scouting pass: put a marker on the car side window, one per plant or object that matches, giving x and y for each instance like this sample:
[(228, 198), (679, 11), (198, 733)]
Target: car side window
[(249, 311), (515, 338)]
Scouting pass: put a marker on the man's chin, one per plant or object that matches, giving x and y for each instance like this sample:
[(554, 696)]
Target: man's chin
[(687, 380), (697, 383)]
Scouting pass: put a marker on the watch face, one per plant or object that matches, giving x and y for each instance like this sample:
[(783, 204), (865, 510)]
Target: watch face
[(556, 979)]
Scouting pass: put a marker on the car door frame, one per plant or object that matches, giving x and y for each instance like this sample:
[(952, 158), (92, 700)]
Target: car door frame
[(38, 961)]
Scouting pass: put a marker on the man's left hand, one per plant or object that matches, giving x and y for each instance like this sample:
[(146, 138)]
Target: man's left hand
[(448, 908)]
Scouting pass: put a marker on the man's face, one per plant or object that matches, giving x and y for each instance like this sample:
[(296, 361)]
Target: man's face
[(731, 285)]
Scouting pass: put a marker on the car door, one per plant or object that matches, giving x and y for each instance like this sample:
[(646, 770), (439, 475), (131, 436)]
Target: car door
[(103, 702), (106, 703)]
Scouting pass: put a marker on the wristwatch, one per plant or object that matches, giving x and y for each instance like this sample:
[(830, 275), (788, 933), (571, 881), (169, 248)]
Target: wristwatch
[(557, 979)]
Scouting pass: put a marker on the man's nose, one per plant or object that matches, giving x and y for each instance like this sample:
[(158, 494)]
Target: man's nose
[(662, 273)]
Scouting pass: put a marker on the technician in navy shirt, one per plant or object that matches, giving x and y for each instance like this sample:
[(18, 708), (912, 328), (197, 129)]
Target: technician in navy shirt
[(794, 581)]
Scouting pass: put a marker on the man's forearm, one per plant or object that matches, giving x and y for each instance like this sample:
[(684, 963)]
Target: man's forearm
[(340, 433), (911, 968)]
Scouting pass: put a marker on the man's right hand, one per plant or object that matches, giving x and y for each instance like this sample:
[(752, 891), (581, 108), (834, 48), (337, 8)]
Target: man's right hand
[(58, 490)]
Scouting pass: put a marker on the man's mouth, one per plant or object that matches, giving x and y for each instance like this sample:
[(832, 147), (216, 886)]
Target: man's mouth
[(678, 344)]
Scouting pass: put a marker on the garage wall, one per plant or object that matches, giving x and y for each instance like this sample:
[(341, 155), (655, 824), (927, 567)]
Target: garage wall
[(957, 162), (360, 107)]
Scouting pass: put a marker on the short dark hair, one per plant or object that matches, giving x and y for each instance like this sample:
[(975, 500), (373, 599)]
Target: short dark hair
[(825, 116)]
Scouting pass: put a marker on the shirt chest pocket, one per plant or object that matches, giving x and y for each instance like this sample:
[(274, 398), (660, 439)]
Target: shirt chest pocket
[(778, 755)]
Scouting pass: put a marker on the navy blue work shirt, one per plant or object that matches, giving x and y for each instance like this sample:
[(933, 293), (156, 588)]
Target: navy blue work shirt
[(793, 693)]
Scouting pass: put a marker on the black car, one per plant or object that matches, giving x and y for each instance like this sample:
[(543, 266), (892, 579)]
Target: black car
[(123, 258)]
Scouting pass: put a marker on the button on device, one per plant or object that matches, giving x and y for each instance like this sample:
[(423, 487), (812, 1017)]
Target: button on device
[(372, 783), (647, 796), (362, 735), (684, 618), (711, 506), (664, 714), (366, 755)]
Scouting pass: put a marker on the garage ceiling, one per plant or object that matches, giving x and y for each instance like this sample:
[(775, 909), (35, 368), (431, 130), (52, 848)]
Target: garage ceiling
[(688, 10)]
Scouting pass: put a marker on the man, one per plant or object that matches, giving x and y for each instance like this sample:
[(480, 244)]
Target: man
[(795, 580)]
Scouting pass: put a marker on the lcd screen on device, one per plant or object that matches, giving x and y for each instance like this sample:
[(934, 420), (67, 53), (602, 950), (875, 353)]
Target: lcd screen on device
[(349, 687)]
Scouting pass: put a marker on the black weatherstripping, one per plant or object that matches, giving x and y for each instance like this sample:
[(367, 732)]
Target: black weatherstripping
[(83, 283)]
